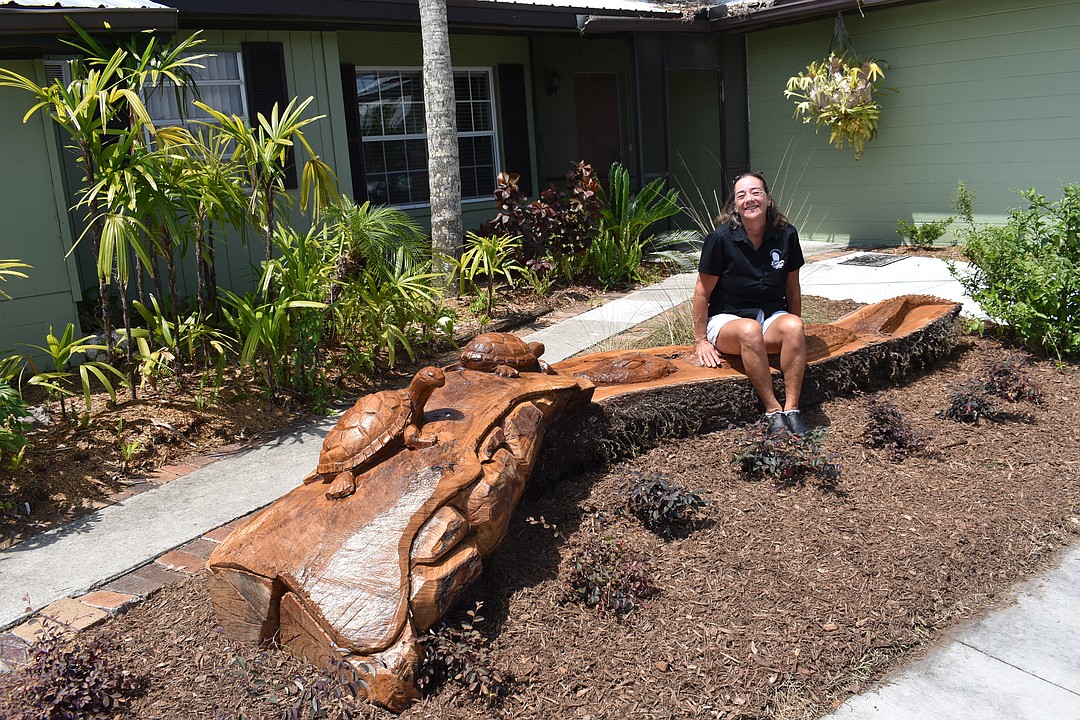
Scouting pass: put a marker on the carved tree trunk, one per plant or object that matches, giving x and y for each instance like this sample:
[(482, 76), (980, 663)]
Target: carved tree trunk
[(444, 176)]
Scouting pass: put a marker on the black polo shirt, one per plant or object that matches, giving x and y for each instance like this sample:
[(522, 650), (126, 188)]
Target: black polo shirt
[(750, 280)]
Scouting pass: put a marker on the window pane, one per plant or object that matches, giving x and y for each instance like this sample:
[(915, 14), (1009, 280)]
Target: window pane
[(399, 188), (367, 87), (469, 188), (412, 89), (461, 87), (415, 122), (370, 119), (479, 86), (395, 155), (466, 154), (376, 190), (464, 117), (481, 116), (416, 154), (228, 99), (485, 151), (373, 158), (421, 192), (221, 66)]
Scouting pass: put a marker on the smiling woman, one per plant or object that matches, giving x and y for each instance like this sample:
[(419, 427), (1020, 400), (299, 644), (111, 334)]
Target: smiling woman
[(748, 299)]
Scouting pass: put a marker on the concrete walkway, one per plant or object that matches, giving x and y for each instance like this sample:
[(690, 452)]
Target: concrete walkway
[(1023, 661)]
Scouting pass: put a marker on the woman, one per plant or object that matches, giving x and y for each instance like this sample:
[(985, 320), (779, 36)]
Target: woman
[(748, 300)]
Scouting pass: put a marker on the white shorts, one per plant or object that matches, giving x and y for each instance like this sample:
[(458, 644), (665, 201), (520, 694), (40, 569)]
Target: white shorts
[(718, 321)]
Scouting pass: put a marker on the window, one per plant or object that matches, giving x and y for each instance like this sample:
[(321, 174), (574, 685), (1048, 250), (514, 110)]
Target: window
[(221, 86), (394, 133)]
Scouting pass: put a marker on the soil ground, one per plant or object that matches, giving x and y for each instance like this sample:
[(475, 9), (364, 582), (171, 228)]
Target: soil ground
[(781, 601)]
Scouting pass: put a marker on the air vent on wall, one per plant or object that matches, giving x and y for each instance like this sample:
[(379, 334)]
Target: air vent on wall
[(57, 71)]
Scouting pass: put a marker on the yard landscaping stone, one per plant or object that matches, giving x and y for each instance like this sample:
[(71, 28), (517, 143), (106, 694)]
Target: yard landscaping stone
[(144, 581), (110, 602), (73, 614)]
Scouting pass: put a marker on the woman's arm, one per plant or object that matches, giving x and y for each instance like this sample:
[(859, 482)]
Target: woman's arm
[(706, 351), (794, 293)]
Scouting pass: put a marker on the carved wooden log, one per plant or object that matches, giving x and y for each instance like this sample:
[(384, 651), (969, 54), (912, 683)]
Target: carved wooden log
[(363, 575), (872, 347), (353, 581)]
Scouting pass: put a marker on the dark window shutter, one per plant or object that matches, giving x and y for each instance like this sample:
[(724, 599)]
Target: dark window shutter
[(352, 131), (515, 124), (264, 76)]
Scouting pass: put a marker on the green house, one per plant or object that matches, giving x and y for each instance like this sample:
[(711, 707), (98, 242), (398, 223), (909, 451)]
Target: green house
[(693, 94)]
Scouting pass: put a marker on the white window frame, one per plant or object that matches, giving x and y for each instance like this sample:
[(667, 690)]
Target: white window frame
[(493, 133)]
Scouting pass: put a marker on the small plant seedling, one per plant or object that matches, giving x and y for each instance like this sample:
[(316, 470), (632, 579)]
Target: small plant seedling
[(662, 506), (604, 576), (970, 403), (459, 651), (1010, 380), (886, 428), (787, 458)]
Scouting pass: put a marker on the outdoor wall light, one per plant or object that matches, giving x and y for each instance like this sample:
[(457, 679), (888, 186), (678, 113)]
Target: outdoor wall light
[(553, 83)]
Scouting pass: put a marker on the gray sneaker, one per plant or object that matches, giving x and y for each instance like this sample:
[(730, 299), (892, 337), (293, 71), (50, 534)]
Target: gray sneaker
[(794, 422), (776, 425)]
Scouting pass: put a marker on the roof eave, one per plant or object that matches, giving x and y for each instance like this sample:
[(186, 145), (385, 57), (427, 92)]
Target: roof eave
[(794, 11), (37, 21)]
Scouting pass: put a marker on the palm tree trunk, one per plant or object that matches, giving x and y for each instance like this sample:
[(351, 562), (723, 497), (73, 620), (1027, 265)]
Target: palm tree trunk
[(444, 177)]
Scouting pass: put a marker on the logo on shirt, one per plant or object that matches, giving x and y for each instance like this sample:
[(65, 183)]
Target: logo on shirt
[(777, 260)]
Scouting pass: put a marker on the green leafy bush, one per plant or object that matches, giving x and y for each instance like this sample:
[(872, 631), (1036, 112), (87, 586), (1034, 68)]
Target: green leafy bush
[(662, 506), (604, 576), (1027, 271), (459, 651), (925, 234), (886, 428), (68, 680), (787, 458)]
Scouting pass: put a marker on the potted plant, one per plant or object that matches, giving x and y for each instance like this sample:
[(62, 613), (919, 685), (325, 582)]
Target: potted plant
[(838, 92)]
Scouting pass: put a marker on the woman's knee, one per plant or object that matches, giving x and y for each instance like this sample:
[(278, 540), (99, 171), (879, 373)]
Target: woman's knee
[(742, 332)]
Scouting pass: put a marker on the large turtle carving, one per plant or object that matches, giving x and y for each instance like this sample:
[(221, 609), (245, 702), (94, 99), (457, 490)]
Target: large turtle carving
[(503, 354), (373, 428)]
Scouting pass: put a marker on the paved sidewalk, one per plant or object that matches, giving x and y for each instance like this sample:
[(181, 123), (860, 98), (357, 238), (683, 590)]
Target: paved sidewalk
[(1020, 662)]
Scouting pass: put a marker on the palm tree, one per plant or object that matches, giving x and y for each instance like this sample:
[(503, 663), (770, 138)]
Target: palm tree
[(444, 176), (263, 153)]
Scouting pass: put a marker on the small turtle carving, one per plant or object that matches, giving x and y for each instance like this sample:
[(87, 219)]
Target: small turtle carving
[(373, 428), (628, 368), (503, 354)]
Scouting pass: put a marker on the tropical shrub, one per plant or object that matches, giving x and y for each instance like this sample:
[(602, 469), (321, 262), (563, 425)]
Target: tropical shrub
[(623, 242), (69, 680), (1026, 272), (58, 381), (488, 260)]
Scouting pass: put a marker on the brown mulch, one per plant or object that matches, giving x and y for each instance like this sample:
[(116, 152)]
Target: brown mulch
[(780, 603)]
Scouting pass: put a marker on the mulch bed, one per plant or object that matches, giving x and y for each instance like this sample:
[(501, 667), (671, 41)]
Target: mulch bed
[(781, 602)]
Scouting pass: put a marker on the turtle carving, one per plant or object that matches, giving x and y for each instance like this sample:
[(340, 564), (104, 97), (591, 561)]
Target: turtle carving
[(504, 354), (376, 426), (628, 368)]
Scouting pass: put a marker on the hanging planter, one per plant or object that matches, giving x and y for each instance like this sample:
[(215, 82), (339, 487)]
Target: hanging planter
[(838, 93)]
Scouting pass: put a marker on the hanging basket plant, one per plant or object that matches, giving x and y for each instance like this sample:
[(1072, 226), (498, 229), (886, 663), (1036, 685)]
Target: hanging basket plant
[(838, 92)]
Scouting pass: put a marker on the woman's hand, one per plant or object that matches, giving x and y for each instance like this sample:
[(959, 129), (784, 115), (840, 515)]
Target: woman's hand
[(707, 354)]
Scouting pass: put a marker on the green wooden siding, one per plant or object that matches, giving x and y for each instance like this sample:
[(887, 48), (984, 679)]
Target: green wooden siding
[(33, 225), (989, 93)]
